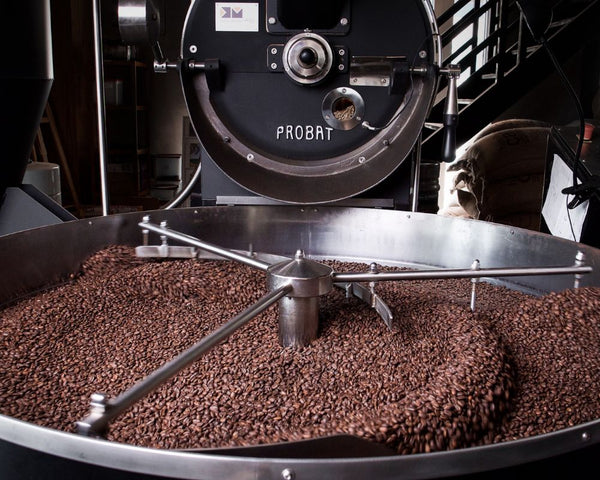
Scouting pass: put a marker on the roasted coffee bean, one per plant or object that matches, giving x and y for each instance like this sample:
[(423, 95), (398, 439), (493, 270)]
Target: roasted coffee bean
[(445, 378)]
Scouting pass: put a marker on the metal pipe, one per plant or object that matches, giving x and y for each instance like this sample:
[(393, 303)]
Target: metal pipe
[(222, 252), (459, 273), (186, 191), (97, 421), (417, 175), (101, 107)]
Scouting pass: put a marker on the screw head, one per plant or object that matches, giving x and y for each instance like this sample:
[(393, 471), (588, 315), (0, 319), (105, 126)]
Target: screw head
[(273, 66), (193, 48), (272, 20), (250, 157), (273, 51), (288, 474), (344, 21), (423, 54)]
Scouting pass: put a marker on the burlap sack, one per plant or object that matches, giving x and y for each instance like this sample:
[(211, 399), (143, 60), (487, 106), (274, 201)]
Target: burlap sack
[(501, 176)]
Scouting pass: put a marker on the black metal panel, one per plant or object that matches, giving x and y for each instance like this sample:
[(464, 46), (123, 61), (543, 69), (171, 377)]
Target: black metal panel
[(25, 80), (255, 100), (267, 131)]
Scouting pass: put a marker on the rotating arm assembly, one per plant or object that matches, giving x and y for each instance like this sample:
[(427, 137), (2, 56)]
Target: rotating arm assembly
[(296, 284)]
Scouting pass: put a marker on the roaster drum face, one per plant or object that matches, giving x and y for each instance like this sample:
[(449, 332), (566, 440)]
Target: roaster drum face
[(281, 103)]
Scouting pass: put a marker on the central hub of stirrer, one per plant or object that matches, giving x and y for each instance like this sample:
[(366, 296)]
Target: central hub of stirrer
[(299, 310)]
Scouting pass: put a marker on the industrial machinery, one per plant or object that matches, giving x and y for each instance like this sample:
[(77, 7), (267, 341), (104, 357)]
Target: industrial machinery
[(304, 104)]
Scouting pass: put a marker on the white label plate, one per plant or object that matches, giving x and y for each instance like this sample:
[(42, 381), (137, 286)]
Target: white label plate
[(236, 17)]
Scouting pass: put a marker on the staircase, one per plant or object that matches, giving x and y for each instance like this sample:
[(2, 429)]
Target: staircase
[(499, 59)]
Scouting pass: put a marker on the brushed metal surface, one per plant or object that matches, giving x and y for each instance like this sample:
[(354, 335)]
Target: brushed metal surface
[(49, 254)]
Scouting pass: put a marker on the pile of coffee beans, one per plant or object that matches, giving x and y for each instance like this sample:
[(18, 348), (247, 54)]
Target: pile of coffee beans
[(444, 378)]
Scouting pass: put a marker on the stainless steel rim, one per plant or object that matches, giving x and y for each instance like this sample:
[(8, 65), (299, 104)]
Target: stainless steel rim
[(343, 233)]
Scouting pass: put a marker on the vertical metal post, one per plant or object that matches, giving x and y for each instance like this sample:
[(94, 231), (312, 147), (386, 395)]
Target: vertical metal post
[(101, 106), (416, 176)]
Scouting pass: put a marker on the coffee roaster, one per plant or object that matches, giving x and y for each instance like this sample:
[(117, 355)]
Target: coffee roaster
[(305, 104)]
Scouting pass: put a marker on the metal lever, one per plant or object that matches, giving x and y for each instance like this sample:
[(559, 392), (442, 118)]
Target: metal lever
[(139, 22), (450, 113)]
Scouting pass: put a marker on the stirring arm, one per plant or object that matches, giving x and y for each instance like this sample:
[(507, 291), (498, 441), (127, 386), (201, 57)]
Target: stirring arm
[(102, 412)]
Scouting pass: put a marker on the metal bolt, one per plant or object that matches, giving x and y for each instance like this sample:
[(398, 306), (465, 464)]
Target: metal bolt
[(374, 270), (272, 20), (585, 436), (423, 54), (146, 218), (579, 262), (227, 139), (344, 21), (386, 143), (341, 67), (474, 281), (274, 51), (193, 48), (341, 52), (362, 159), (355, 80), (249, 157), (288, 474), (384, 81), (299, 254), (343, 90), (273, 66), (163, 224), (98, 402)]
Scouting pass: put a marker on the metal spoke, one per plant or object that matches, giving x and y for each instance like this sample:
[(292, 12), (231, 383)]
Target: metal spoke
[(103, 411), (458, 273)]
